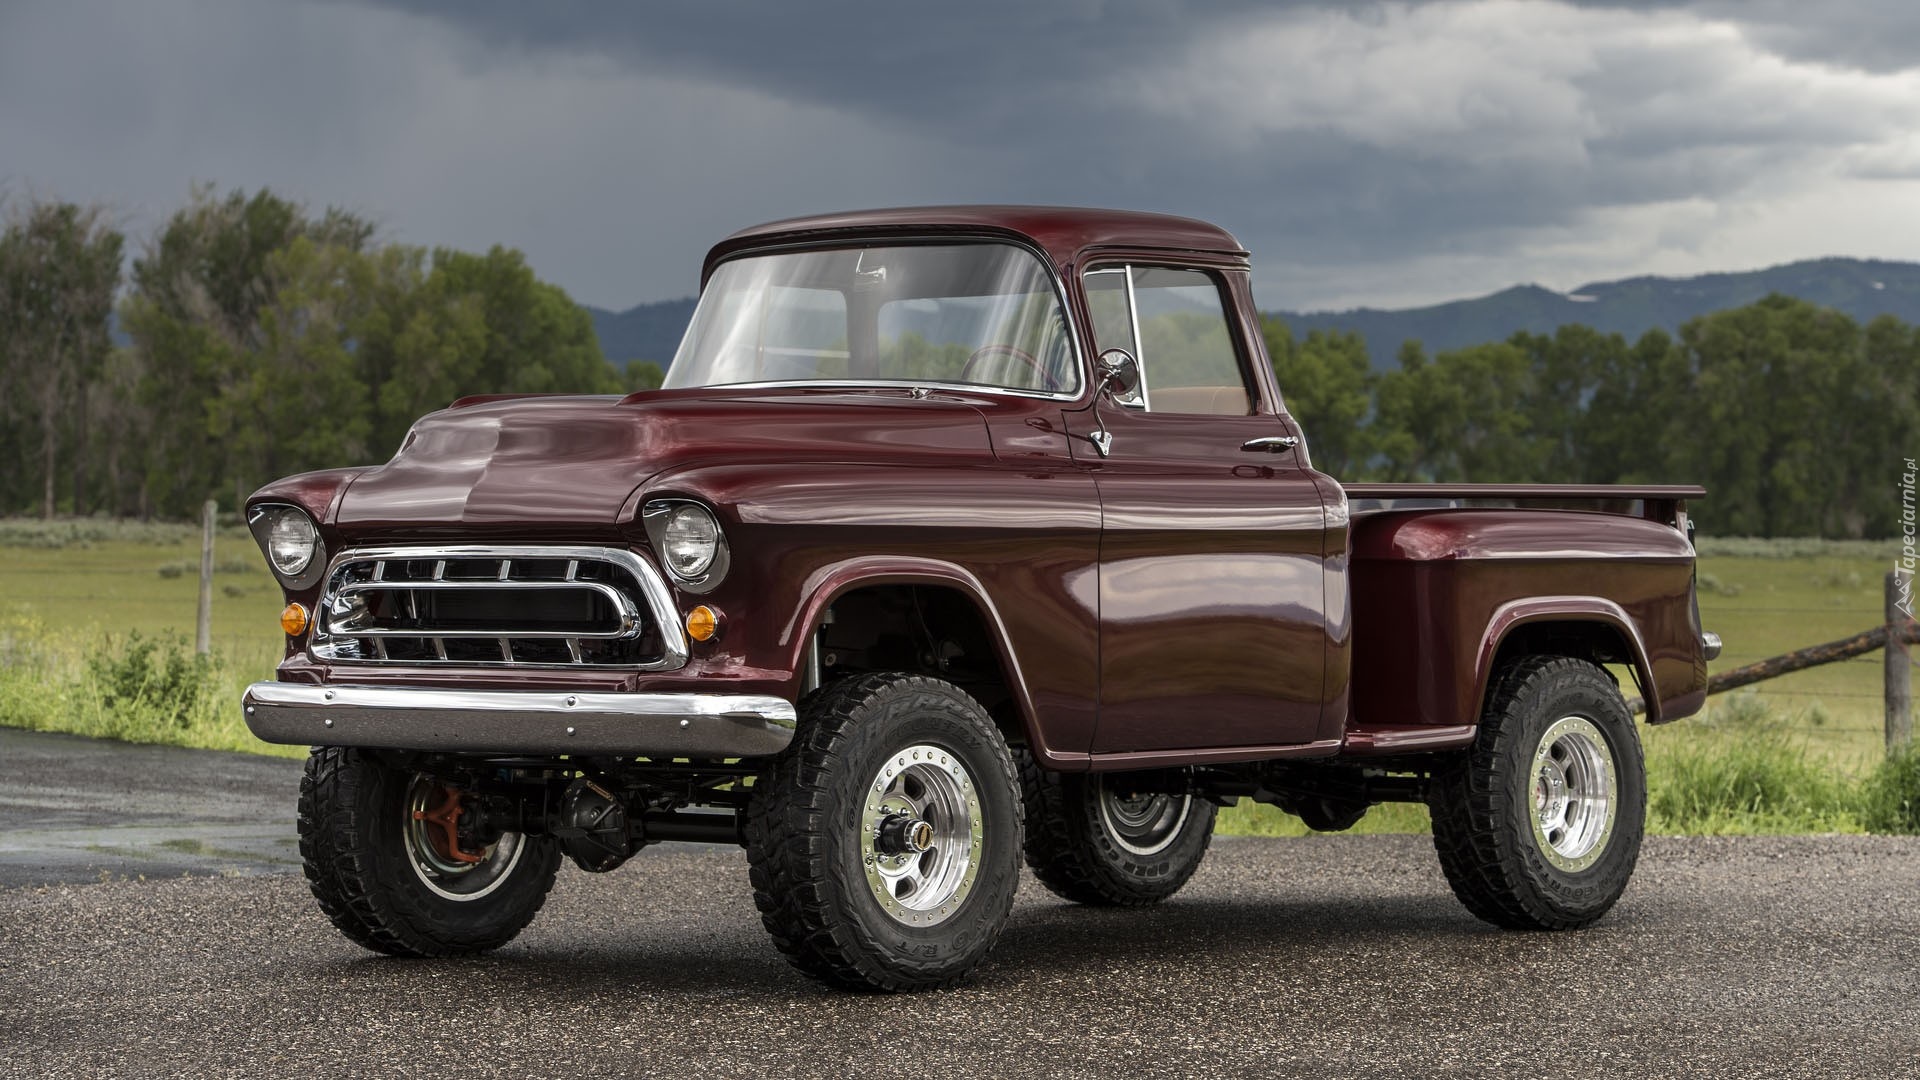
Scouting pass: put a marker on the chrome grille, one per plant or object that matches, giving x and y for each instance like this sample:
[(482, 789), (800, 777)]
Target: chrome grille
[(497, 606)]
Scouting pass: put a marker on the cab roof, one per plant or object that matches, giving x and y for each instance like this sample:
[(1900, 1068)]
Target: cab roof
[(1065, 233)]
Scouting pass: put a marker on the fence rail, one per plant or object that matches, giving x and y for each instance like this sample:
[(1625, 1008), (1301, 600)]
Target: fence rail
[(1892, 639)]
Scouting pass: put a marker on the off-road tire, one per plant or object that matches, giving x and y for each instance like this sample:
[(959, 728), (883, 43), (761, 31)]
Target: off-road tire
[(804, 829), (1482, 800), (1078, 857), (351, 822)]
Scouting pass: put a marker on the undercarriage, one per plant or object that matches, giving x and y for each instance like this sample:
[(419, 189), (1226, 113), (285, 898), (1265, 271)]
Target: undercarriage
[(603, 811)]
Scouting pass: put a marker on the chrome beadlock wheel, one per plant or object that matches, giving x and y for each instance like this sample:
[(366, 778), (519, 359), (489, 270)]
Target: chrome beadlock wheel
[(1142, 824), (921, 830), (1576, 793), (431, 839)]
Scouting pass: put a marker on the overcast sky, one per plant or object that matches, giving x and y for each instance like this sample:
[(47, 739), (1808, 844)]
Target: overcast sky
[(1384, 154)]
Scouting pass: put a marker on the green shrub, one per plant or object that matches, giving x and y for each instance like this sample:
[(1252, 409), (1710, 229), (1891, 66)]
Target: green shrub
[(1890, 797), (1710, 583), (154, 682), (1762, 785), (1747, 769)]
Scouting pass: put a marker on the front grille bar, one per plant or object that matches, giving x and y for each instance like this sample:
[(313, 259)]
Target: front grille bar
[(630, 625), (632, 622)]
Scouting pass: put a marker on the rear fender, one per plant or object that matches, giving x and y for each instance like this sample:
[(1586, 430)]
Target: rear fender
[(1537, 610)]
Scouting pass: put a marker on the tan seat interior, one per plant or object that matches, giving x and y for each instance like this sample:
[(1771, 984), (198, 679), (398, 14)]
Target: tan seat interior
[(1199, 400)]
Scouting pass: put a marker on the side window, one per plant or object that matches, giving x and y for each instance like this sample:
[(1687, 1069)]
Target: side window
[(1186, 347), (1174, 322)]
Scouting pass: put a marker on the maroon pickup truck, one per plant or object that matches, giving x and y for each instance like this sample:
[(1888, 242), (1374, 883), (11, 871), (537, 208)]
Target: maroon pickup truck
[(956, 535)]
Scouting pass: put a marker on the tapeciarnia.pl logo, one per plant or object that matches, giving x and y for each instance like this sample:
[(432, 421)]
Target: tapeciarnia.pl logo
[(1903, 567)]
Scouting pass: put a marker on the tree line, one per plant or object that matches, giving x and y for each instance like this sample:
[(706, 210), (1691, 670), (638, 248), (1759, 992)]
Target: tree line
[(1795, 417), (256, 338)]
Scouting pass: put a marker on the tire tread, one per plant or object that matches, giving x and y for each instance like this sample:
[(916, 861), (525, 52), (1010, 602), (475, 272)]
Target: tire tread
[(1486, 847), (787, 821)]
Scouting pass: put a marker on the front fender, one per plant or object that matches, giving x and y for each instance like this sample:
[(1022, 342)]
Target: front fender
[(834, 580)]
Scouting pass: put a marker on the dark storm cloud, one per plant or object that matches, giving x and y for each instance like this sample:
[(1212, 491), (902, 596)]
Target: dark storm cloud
[(1874, 35), (1366, 152), (1520, 116)]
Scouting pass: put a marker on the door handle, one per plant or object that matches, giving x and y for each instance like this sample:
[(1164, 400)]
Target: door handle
[(1272, 444)]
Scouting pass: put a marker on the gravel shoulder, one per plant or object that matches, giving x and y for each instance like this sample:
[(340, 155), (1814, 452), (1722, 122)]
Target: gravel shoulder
[(1323, 956)]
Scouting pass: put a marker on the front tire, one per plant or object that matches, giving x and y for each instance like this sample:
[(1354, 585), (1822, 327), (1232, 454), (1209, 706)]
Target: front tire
[(885, 841), (1538, 824), (384, 859), (1093, 841)]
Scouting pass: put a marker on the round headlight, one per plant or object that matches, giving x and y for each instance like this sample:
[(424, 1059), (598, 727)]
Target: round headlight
[(690, 539), (291, 542)]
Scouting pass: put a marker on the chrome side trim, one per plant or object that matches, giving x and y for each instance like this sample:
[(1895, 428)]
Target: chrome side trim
[(520, 722), (653, 588)]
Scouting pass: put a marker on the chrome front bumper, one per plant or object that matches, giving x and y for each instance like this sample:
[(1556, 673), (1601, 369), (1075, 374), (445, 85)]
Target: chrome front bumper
[(520, 722)]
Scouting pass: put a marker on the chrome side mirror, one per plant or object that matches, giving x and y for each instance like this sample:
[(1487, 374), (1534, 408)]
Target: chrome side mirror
[(1119, 374)]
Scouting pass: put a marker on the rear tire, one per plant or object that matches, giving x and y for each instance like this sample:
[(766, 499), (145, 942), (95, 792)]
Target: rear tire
[(1538, 823), (384, 873), (885, 841), (1092, 842)]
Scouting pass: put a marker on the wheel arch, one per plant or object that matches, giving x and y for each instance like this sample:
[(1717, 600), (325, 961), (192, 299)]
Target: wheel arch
[(1589, 627), (965, 597)]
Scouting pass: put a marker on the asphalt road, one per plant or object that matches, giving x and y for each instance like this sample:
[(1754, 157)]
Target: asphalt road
[(76, 809), (1325, 957)]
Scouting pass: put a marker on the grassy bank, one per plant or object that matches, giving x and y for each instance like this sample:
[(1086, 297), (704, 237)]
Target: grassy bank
[(95, 618), (96, 625)]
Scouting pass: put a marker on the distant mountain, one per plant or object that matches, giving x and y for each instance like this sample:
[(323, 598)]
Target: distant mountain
[(1863, 288), (647, 332)]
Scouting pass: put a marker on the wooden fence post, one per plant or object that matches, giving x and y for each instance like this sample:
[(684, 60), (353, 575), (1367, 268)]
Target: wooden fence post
[(203, 633), (1899, 671)]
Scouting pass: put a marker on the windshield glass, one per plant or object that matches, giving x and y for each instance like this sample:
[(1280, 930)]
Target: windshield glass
[(980, 314)]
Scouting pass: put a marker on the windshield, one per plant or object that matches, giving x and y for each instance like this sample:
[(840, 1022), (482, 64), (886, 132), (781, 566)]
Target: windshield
[(981, 314)]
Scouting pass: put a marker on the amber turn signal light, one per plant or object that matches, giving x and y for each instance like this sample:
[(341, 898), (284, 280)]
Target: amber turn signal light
[(703, 623), (293, 619)]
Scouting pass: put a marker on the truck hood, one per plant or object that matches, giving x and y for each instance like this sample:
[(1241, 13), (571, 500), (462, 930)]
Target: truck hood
[(550, 462)]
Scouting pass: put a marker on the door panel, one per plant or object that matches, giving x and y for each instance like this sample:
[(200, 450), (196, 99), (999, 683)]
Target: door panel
[(1212, 569), (1212, 603)]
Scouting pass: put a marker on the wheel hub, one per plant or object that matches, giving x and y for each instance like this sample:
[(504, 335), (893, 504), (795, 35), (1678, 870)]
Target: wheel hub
[(1576, 789), (431, 836), (903, 834), (1142, 824), (921, 833)]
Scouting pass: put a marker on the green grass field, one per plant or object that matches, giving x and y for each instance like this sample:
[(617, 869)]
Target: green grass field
[(75, 592), (72, 591)]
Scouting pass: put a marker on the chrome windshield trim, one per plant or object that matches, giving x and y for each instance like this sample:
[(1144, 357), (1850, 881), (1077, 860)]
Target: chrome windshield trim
[(888, 384), (653, 588)]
